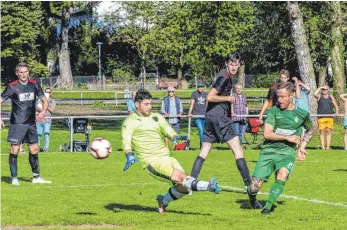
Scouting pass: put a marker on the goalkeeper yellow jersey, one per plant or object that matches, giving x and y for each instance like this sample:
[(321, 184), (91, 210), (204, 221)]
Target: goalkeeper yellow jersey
[(145, 136)]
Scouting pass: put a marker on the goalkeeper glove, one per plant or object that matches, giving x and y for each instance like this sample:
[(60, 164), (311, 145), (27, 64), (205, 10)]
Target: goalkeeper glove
[(131, 159)]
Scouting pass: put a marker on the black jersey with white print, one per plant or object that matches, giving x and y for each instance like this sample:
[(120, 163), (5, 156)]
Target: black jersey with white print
[(23, 97)]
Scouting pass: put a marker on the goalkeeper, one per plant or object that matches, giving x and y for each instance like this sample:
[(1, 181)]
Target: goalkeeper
[(143, 134), (282, 130)]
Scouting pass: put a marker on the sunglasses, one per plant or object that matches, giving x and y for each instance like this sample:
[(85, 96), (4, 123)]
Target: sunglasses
[(171, 91), (48, 92)]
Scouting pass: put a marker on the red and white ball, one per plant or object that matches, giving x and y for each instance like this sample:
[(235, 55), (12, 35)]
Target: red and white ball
[(100, 148)]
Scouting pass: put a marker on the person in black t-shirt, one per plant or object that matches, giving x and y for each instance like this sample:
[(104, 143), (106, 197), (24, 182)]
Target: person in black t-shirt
[(22, 129), (219, 125)]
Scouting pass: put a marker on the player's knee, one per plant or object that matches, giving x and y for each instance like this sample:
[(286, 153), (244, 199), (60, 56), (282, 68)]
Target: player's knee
[(282, 174), (34, 149), (46, 134), (328, 131), (14, 149)]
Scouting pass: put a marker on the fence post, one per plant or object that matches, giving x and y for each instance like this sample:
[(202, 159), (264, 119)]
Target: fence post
[(81, 97), (262, 96), (189, 124), (115, 96), (71, 133)]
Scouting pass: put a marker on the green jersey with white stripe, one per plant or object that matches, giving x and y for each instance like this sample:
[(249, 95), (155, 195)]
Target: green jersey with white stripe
[(285, 122)]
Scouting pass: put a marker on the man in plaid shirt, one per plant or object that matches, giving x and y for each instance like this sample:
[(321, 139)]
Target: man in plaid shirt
[(239, 107)]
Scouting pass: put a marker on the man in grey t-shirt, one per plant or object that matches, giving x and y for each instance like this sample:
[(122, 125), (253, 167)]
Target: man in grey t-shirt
[(198, 107)]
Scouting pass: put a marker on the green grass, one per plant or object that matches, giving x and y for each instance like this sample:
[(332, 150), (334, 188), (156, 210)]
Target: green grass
[(156, 94), (93, 192)]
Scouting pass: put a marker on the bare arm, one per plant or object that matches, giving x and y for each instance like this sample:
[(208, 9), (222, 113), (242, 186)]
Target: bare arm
[(317, 92), (297, 88), (308, 89), (42, 113), (343, 96), (335, 105), (214, 97), (266, 104), (192, 102)]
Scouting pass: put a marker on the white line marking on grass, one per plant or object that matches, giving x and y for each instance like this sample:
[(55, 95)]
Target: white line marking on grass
[(231, 188), (82, 186)]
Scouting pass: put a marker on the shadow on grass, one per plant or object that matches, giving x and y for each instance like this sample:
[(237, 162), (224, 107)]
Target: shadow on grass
[(245, 204), (86, 213), (8, 179), (134, 207), (340, 170)]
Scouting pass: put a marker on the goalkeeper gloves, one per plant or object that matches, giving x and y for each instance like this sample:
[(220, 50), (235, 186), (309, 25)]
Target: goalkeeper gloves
[(130, 160)]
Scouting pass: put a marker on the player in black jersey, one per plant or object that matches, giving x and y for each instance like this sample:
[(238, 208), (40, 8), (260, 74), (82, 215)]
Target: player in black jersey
[(22, 129), (219, 127)]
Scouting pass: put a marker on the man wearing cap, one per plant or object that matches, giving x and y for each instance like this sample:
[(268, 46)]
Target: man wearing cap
[(198, 107), (171, 108), (325, 106)]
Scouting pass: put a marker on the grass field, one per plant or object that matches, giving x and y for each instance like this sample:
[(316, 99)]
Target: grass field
[(88, 193)]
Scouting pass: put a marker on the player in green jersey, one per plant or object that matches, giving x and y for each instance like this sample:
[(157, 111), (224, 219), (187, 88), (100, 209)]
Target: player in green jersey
[(143, 134), (282, 130)]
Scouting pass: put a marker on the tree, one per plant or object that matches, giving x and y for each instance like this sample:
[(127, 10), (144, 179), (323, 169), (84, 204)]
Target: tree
[(23, 35), (62, 12), (337, 51), (302, 51)]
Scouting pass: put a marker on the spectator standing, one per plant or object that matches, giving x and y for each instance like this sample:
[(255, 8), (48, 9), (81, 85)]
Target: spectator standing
[(325, 106), (171, 108), (198, 107), (131, 104), (45, 125), (239, 107), (271, 98), (343, 97)]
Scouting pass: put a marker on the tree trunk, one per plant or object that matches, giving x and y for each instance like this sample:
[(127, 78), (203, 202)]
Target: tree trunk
[(180, 71), (242, 74), (143, 77), (337, 60), (303, 54), (64, 55), (322, 76)]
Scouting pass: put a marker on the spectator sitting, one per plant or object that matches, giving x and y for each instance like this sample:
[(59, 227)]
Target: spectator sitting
[(239, 107), (131, 103), (325, 106)]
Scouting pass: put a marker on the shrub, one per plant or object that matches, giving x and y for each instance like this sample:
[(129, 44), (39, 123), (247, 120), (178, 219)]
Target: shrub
[(265, 80)]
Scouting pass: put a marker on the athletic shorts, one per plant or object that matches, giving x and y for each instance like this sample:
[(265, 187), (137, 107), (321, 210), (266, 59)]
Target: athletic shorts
[(162, 168), (325, 122), (345, 122), (270, 163), (219, 130), (19, 134)]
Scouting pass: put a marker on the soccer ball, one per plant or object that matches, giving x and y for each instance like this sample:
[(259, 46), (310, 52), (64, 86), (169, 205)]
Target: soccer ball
[(100, 148)]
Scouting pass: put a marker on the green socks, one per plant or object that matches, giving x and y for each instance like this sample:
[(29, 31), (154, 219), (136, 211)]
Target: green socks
[(275, 191)]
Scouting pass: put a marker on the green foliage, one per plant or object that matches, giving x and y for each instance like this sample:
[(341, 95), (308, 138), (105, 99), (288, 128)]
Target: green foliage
[(22, 29), (265, 80), (120, 74), (98, 104), (38, 69)]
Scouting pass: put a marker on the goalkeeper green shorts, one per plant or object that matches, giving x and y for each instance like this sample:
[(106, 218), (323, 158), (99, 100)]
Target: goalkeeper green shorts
[(269, 163), (162, 168)]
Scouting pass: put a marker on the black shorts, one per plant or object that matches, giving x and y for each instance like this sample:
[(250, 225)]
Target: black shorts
[(19, 134), (218, 130)]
